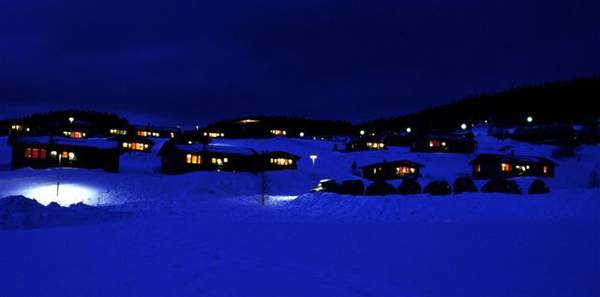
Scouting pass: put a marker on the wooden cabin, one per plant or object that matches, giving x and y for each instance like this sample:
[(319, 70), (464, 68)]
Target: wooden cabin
[(40, 152), (488, 166), (155, 131), (278, 160), (117, 131), (213, 134), (443, 144), (391, 170), (191, 137), (547, 134), (134, 143), (365, 144), (278, 132), (76, 129), (181, 158)]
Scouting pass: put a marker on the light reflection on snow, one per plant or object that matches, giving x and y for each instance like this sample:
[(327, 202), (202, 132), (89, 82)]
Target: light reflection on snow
[(282, 198), (67, 195)]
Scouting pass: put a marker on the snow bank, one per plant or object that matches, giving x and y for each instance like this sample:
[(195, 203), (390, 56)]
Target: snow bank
[(17, 212), (581, 204)]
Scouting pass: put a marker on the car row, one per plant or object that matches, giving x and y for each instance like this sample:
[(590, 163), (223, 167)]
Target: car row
[(411, 186)]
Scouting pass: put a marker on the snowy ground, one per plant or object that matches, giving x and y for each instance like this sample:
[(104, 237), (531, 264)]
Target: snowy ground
[(203, 233)]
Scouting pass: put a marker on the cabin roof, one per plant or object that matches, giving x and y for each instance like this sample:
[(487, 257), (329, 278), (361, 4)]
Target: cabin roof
[(450, 138), (215, 148), (509, 158), (365, 139), (395, 163), (156, 128), (49, 140), (281, 153), (132, 138)]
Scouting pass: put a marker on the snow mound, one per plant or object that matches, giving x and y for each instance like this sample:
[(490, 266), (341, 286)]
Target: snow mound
[(18, 212), (584, 204)]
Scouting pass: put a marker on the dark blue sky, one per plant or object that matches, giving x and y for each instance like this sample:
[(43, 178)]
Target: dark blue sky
[(199, 61)]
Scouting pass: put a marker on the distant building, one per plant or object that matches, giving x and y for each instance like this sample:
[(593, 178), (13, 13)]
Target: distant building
[(278, 160), (181, 158), (155, 131), (134, 143), (547, 134), (443, 143), (488, 166), (365, 144), (76, 129), (47, 151), (391, 170)]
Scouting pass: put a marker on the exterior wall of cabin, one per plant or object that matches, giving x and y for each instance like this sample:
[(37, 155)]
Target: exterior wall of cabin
[(174, 162), (489, 170), (448, 146), (385, 172), (365, 146), (47, 156)]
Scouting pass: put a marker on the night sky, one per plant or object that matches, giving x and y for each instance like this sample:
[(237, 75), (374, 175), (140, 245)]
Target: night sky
[(199, 61)]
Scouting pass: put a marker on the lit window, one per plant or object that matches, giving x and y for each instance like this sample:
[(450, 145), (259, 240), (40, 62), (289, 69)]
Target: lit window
[(545, 169), (434, 143), (506, 167), (225, 160), (124, 144), (214, 160), (478, 168), (27, 153)]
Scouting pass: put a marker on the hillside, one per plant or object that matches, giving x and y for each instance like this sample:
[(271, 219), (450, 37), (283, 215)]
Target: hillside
[(571, 101)]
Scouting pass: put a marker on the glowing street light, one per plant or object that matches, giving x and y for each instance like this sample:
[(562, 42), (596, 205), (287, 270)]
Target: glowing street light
[(71, 120), (313, 157), (408, 130), (301, 134), (529, 119), (463, 126), (362, 132)]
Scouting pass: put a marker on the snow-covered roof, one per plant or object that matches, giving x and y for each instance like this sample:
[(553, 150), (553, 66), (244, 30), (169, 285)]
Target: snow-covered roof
[(197, 148), (510, 158), (394, 163), (89, 142)]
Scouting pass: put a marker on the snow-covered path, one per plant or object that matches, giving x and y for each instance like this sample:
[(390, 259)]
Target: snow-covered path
[(190, 256)]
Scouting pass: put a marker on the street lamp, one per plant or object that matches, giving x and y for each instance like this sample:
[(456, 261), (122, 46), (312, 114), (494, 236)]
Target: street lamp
[(362, 132), (71, 119), (463, 126), (408, 130), (313, 157), (529, 119), (301, 134)]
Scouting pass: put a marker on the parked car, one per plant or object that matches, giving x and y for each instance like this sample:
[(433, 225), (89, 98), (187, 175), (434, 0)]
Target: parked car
[(328, 186), (538, 186), (438, 187), (464, 184), (502, 186), (353, 187), (380, 188), (409, 186)]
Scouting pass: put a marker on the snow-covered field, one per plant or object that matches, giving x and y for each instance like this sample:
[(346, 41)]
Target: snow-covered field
[(203, 233)]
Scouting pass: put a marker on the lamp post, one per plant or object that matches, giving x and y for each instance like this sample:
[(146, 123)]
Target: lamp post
[(529, 119), (313, 157), (463, 126), (71, 119), (58, 174), (408, 130)]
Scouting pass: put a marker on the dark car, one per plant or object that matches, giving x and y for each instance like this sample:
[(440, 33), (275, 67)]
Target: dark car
[(353, 187), (502, 186), (380, 188), (438, 187), (538, 187), (409, 186), (464, 184), (328, 186)]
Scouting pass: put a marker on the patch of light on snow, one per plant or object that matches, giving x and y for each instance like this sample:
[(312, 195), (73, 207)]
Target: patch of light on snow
[(68, 194), (282, 198)]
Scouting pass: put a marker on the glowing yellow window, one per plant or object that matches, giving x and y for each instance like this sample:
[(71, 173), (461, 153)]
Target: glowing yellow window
[(506, 167), (545, 169)]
